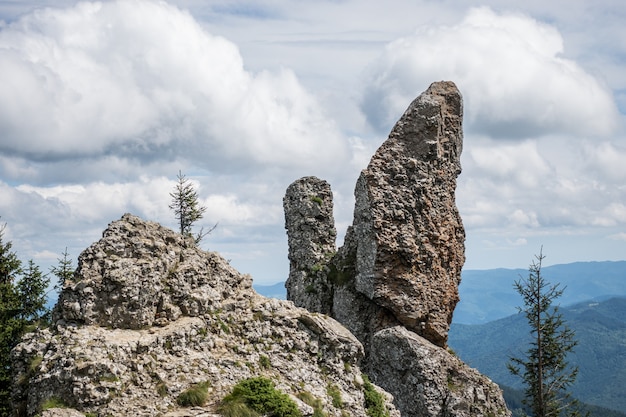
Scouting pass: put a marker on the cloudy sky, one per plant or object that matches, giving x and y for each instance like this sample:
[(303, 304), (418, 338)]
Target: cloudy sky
[(102, 103)]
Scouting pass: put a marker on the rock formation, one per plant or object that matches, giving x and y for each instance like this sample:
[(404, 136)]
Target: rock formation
[(311, 234), (148, 315), (394, 282)]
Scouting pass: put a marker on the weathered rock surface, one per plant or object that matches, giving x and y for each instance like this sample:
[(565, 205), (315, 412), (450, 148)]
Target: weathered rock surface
[(408, 233), (394, 282), (429, 380), (148, 314), (311, 236)]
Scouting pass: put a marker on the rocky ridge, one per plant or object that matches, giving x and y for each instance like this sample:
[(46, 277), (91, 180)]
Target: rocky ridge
[(148, 315), (394, 282)]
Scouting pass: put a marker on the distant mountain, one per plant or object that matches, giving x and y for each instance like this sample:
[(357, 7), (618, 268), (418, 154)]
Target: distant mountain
[(515, 397), (488, 295), (273, 291), (600, 328)]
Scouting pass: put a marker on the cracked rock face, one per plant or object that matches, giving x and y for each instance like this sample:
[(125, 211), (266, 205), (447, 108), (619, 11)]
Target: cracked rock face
[(394, 282), (402, 257), (408, 233)]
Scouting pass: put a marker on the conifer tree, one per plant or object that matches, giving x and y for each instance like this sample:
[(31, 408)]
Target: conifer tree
[(22, 303), (544, 369), (187, 208), (32, 293), (63, 271), (10, 323)]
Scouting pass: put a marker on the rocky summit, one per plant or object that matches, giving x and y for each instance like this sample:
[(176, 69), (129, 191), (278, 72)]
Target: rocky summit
[(151, 325), (394, 282), (149, 316)]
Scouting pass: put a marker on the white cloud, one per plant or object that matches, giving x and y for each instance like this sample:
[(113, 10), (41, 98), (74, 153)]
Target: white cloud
[(510, 69), (618, 236), (144, 80), (148, 197), (607, 159)]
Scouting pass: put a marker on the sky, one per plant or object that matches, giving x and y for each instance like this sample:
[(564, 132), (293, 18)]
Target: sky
[(103, 103)]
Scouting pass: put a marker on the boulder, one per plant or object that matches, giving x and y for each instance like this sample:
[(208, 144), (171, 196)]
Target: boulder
[(429, 381)]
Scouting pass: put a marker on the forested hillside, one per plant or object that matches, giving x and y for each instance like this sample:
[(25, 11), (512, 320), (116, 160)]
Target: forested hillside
[(600, 328)]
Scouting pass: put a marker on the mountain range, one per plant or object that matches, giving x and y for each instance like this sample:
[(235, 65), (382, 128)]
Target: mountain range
[(600, 327), (488, 295)]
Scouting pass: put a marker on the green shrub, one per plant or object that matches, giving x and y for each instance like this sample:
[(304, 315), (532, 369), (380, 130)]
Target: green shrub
[(317, 199), (258, 395), (53, 402), (374, 401), (34, 363), (162, 389), (314, 402), (196, 395), (264, 362), (334, 393)]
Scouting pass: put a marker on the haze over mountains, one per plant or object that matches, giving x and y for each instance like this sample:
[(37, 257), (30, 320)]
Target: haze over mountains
[(488, 295)]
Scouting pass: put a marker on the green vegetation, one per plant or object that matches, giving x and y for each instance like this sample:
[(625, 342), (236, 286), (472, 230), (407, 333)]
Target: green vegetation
[(64, 271), (544, 368), (309, 399), (264, 362), (316, 199), (600, 327), (187, 208), (257, 396), (194, 396), (224, 327), (374, 401), (161, 389), (335, 395), (22, 309), (53, 402)]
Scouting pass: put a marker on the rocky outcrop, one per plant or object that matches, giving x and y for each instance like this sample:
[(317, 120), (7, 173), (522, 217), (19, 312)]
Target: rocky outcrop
[(429, 380), (148, 315), (407, 230), (311, 236), (394, 282)]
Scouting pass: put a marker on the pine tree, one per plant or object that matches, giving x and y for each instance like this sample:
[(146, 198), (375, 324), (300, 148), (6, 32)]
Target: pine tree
[(22, 304), (63, 271), (32, 293), (545, 370), (187, 208), (10, 323)]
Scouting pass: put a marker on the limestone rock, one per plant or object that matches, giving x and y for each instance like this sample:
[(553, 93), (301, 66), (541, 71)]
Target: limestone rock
[(394, 282), (429, 381), (311, 234), (148, 314), (403, 254), (408, 231)]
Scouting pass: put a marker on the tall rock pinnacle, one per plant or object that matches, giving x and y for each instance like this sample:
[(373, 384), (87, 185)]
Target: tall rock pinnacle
[(402, 257), (408, 232), (394, 282)]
